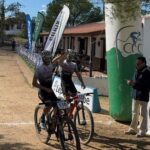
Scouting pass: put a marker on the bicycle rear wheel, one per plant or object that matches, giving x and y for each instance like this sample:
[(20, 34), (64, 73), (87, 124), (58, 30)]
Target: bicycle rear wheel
[(84, 123), (42, 133), (68, 135)]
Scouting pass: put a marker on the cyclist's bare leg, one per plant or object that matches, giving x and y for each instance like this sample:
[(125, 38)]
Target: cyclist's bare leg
[(45, 113), (46, 110), (72, 106)]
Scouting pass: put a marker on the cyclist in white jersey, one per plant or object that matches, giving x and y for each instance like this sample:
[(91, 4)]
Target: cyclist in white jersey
[(67, 68)]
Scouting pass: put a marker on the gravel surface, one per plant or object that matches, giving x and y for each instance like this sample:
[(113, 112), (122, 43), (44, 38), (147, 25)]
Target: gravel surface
[(18, 100)]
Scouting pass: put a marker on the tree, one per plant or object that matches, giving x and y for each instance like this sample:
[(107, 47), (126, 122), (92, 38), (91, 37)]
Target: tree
[(13, 9), (145, 6), (80, 12), (20, 19), (94, 15), (2, 20), (124, 10)]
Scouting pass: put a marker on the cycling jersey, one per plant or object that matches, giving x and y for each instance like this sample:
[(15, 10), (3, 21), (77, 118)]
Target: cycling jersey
[(68, 68), (66, 71), (44, 75)]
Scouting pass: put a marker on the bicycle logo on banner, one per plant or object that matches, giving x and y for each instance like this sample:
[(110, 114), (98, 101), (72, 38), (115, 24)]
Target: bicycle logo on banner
[(131, 44)]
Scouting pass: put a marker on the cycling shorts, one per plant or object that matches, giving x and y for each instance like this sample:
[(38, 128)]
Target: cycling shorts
[(68, 87), (44, 96)]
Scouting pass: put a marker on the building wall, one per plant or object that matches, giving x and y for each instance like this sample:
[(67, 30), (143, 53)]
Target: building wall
[(76, 44), (98, 49), (12, 30)]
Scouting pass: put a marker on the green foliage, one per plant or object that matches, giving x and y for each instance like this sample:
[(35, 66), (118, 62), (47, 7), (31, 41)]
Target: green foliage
[(94, 15), (13, 8), (125, 10), (81, 11), (145, 7), (19, 18), (14, 16)]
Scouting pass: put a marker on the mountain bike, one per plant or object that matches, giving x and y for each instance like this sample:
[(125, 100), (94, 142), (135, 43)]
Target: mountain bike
[(58, 123), (82, 117)]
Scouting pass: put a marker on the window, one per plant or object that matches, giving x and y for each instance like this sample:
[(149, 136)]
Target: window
[(68, 44), (7, 27), (72, 43), (12, 27), (86, 45), (64, 40), (18, 26), (93, 46)]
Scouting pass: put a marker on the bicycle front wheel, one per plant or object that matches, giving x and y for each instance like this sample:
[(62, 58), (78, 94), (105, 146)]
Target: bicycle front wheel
[(68, 135), (42, 133), (84, 123)]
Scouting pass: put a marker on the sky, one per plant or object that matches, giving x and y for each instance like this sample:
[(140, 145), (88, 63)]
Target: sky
[(30, 7)]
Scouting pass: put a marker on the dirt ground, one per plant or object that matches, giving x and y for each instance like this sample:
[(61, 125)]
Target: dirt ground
[(18, 100)]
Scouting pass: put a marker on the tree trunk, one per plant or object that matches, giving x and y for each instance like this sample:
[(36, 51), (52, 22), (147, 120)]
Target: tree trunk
[(2, 28)]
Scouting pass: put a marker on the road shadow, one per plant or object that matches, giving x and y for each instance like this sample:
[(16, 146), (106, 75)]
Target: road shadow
[(56, 145), (120, 143), (103, 112), (15, 146), (1, 137)]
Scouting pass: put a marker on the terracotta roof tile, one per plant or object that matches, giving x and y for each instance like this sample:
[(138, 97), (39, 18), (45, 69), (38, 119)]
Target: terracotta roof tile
[(146, 16), (86, 28), (83, 29)]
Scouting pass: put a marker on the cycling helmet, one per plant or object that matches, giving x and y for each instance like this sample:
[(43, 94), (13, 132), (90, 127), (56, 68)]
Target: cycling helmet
[(71, 53), (46, 54)]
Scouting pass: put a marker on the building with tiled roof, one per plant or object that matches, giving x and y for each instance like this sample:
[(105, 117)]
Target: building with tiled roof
[(87, 39), (96, 27)]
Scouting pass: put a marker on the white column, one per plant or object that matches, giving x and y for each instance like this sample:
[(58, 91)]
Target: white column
[(76, 43), (89, 46)]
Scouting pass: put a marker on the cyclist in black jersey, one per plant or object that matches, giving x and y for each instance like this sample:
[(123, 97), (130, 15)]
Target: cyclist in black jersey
[(43, 78)]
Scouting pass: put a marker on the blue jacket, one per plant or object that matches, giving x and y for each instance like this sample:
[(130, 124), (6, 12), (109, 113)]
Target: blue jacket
[(142, 84)]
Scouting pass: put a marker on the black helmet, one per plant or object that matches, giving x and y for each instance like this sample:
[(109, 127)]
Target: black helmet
[(46, 54)]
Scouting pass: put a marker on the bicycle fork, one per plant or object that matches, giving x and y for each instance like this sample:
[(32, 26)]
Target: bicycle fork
[(60, 128)]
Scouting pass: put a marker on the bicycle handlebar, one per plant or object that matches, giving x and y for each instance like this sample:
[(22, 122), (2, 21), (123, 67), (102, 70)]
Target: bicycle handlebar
[(85, 93)]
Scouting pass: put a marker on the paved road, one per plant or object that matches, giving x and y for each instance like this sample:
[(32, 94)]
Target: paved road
[(17, 103)]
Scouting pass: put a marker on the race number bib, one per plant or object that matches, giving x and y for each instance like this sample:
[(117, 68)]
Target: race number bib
[(62, 105), (81, 97)]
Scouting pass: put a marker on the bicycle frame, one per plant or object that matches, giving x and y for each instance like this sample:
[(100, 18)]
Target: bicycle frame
[(76, 104)]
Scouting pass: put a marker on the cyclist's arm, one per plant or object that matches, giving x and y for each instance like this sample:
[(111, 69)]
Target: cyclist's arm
[(80, 78), (59, 59), (36, 84)]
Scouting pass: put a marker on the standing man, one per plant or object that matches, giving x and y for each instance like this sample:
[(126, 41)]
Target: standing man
[(140, 94), (13, 45)]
